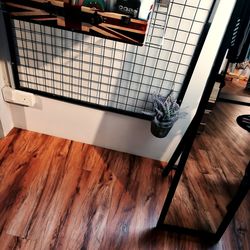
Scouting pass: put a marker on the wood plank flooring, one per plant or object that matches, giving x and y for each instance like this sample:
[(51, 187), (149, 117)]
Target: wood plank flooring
[(60, 194), (213, 172), (235, 90), (235, 87)]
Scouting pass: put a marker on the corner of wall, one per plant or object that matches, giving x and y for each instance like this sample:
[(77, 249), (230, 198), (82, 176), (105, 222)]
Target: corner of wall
[(5, 110)]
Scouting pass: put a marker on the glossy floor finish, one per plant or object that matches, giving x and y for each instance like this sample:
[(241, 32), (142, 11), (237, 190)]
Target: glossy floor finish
[(235, 87), (212, 175), (235, 90), (60, 194)]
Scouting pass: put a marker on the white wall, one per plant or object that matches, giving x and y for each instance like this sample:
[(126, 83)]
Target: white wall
[(121, 132), (6, 122)]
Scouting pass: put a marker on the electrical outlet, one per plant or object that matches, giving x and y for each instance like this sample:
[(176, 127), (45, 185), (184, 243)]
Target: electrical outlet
[(18, 97)]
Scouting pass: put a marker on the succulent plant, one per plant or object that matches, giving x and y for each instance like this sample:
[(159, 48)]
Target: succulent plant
[(166, 110)]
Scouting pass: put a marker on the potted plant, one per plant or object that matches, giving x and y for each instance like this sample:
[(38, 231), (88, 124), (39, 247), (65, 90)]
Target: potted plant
[(165, 114)]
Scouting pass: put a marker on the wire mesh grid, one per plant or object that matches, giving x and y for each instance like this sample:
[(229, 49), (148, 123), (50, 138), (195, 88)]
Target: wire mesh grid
[(108, 73)]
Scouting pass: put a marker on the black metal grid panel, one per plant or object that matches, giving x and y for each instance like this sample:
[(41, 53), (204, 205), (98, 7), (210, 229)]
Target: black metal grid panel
[(107, 73)]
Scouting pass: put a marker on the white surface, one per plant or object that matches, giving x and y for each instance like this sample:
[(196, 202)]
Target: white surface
[(109, 130), (18, 97), (145, 8), (121, 132), (6, 122), (5, 112)]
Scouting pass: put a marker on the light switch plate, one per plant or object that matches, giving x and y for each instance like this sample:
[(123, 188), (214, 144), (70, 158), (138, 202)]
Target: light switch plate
[(18, 97)]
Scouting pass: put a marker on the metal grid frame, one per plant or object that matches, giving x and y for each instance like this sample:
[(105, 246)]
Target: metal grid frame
[(118, 77)]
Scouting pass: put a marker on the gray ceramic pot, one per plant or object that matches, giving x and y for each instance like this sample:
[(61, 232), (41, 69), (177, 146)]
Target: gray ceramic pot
[(158, 130)]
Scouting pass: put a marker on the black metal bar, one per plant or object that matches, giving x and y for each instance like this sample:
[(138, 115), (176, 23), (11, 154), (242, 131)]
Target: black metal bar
[(177, 153), (191, 133), (235, 203), (223, 99), (208, 88), (187, 145)]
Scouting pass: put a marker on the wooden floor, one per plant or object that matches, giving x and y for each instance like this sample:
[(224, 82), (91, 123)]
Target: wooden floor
[(213, 172), (235, 90), (236, 86), (59, 194)]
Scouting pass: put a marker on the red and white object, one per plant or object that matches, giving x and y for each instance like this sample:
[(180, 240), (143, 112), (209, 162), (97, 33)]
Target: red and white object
[(121, 20)]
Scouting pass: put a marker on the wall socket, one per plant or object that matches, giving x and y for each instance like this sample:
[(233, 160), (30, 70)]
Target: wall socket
[(18, 97)]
